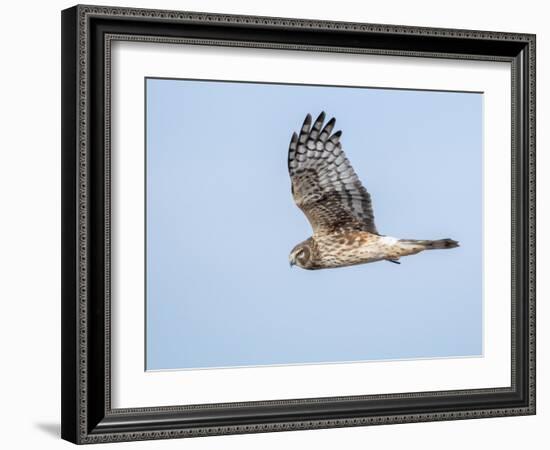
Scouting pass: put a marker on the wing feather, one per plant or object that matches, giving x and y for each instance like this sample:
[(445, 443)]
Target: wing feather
[(324, 185)]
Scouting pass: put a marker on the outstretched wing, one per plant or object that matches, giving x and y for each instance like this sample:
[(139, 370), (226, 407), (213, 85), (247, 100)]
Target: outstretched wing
[(324, 185)]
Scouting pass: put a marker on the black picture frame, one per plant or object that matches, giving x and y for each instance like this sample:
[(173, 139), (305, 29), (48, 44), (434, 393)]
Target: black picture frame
[(87, 416)]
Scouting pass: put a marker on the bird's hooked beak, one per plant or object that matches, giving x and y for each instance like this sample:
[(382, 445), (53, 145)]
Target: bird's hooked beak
[(291, 261)]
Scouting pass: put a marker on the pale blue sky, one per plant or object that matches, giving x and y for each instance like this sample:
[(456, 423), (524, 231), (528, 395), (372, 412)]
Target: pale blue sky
[(221, 222)]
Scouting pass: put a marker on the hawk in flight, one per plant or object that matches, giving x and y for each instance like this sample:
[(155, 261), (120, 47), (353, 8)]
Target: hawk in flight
[(326, 188)]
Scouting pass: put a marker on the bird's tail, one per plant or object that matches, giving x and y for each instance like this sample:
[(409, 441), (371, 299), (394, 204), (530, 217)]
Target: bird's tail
[(431, 245)]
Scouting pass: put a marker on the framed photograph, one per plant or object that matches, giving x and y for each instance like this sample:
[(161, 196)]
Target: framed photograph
[(279, 224)]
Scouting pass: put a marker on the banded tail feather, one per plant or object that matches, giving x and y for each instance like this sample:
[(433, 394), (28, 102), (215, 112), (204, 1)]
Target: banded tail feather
[(431, 245)]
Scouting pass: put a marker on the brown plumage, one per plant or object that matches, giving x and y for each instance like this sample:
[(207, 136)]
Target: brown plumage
[(326, 188)]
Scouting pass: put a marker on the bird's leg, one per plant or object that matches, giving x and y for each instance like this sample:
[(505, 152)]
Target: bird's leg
[(393, 261)]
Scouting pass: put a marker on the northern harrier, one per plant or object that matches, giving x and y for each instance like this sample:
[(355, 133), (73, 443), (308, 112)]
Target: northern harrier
[(326, 188)]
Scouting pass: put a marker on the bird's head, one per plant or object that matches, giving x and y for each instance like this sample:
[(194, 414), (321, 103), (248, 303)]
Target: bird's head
[(301, 255)]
